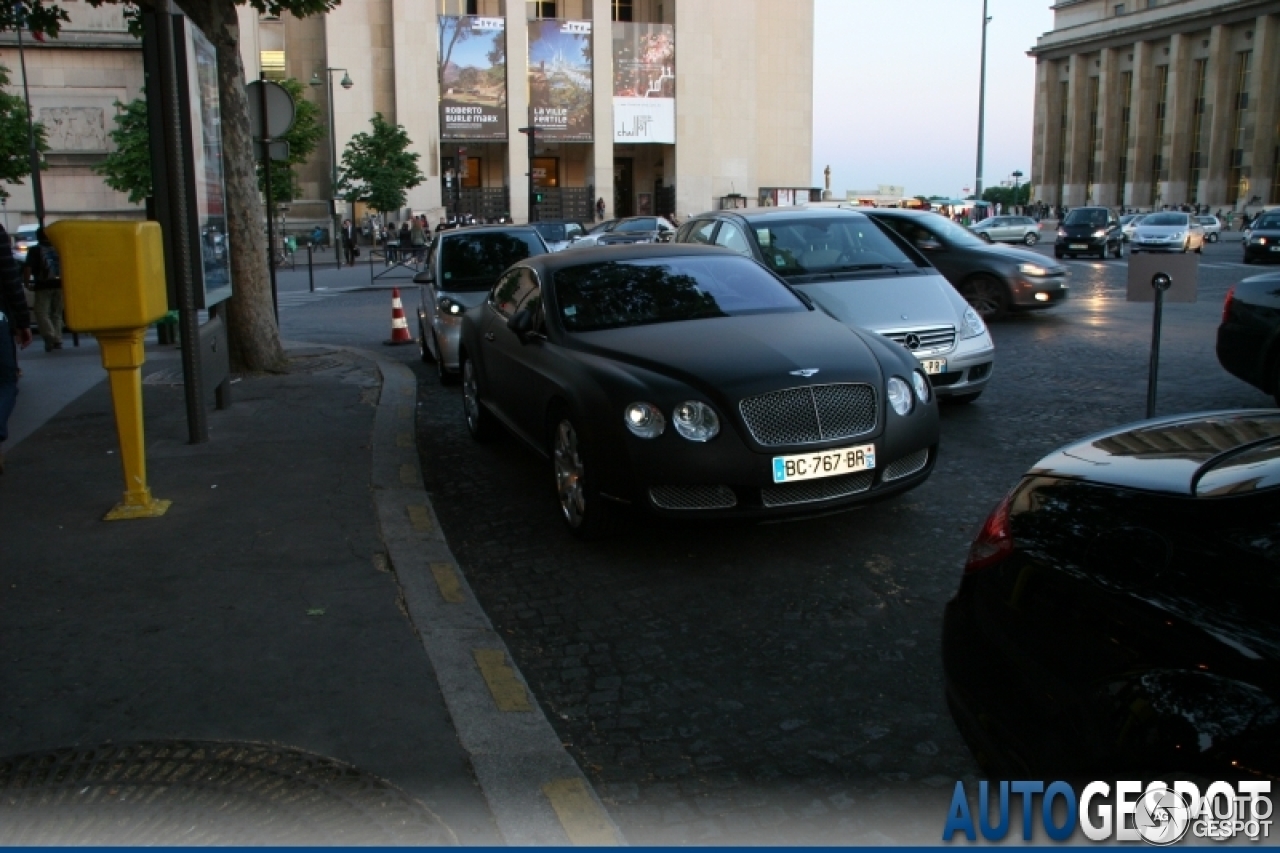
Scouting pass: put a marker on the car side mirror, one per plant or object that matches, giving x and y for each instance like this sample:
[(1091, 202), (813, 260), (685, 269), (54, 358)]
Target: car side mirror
[(521, 324)]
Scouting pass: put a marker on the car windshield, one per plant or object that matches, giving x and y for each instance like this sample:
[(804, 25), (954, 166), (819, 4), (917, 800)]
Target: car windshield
[(474, 261), (1267, 222), (552, 232), (602, 227), (1166, 219), (1090, 216), (617, 294), (644, 223), (844, 242)]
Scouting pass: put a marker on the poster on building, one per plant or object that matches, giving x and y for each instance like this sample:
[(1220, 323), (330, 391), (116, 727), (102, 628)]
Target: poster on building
[(644, 83), (560, 89), (473, 77)]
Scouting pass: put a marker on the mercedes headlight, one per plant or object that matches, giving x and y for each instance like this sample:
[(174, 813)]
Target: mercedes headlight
[(899, 395), (644, 420), (921, 385), (973, 323), (1032, 269), (696, 421), (451, 307)]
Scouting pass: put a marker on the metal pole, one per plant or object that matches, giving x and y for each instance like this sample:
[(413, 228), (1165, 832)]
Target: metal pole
[(311, 273), (982, 100), (271, 202), (533, 135), (33, 153), (333, 164), (1160, 283)]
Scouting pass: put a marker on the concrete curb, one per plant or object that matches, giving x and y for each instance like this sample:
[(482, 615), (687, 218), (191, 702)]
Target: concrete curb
[(536, 791)]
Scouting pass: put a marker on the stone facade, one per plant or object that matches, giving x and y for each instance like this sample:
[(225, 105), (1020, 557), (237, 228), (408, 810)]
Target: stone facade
[(1152, 103)]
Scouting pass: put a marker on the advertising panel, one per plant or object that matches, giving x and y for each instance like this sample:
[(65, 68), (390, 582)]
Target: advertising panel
[(644, 83), (473, 77), (560, 79)]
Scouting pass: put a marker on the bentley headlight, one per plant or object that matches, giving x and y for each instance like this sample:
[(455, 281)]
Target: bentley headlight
[(1032, 269), (696, 421), (899, 395), (921, 385), (644, 420), (973, 323), (451, 307)]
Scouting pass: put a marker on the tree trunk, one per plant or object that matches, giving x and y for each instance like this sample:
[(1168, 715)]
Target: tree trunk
[(251, 324)]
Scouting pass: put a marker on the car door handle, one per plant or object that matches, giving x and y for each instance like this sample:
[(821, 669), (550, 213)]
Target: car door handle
[(488, 336)]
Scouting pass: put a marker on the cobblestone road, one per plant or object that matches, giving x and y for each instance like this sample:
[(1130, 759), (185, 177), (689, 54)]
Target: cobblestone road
[(782, 683)]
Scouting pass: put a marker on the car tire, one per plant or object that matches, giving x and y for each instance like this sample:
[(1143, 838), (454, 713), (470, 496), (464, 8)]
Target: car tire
[(1248, 260), (583, 511), (960, 399), (1031, 238), (986, 238), (986, 295), (1057, 253), (424, 351), (1119, 252), (480, 423), (1213, 238), (445, 377)]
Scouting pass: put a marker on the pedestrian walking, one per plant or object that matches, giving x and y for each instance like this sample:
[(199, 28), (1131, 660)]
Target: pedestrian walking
[(349, 242), (42, 274), (418, 240), (15, 332), (600, 209)]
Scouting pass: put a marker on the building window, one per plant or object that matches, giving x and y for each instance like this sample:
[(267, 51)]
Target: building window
[(1198, 83), (1064, 100), (1126, 116), (1158, 173), (1092, 149), (1237, 168), (1119, 9), (544, 9), (622, 10), (473, 7)]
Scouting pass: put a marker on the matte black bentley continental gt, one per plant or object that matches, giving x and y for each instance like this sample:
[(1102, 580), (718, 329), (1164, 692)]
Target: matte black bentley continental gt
[(691, 382), (1118, 609)]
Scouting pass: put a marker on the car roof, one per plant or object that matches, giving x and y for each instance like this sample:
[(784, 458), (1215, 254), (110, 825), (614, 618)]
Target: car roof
[(626, 252), (450, 233), (765, 214)]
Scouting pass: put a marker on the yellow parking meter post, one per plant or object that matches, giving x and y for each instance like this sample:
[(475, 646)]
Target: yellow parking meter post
[(113, 285)]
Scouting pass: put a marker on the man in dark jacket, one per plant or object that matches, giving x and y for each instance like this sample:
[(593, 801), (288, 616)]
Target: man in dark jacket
[(42, 273), (15, 331)]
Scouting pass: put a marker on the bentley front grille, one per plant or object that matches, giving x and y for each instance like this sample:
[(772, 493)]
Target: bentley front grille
[(693, 497), (906, 466), (810, 414), (812, 491)]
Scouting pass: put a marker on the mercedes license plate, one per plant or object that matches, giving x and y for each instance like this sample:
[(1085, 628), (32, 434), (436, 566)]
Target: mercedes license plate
[(934, 365), (825, 463)]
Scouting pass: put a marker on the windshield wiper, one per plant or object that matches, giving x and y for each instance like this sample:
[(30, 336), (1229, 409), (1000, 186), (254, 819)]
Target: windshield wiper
[(870, 266)]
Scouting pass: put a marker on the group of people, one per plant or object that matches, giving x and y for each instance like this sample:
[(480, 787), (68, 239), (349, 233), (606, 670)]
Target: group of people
[(41, 273)]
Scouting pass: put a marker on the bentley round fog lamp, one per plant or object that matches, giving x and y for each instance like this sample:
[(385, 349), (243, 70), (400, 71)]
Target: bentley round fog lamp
[(921, 386), (696, 421), (644, 420), (899, 395)]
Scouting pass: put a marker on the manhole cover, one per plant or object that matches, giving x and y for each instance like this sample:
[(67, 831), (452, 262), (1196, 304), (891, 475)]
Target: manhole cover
[(203, 793), (314, 364)]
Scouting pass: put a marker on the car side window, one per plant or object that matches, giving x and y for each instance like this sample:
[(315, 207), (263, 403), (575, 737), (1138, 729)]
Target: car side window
[(731, 237), (700, 231), (512, 290), (572, 230)]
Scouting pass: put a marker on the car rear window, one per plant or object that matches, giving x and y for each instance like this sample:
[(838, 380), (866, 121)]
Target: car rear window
[(616, 294), (474, 261), (844, 242)]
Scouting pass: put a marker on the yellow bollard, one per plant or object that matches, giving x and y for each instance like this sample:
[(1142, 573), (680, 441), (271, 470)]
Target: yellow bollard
[(113, 285)]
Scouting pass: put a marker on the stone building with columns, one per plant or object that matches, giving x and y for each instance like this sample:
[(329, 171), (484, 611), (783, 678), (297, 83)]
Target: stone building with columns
[(1152, 103)]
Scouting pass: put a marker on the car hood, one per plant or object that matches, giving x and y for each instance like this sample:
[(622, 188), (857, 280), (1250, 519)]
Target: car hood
[(1161, 455), (1269, 233), (886, 303), (734, 357)]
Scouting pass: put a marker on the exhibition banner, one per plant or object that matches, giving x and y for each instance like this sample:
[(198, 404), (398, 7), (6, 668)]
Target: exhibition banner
[(473, 77), (560, 88), (644, 83)]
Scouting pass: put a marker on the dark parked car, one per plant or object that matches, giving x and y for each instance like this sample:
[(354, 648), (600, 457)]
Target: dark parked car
[(993, 279), (559, 233), (1118, 610), (1249, 335), (632, 229), (864, 277), (690, 382), (1089, 231), (1262, 240)]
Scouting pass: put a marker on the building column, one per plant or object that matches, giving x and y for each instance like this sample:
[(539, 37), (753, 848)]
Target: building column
[(1177, 119), (1220, 114), (1077, 132), (1043, 146), (1141, 117), (1262, 99), (1110, 100), (601, 166), (417, 96), (518, 164)]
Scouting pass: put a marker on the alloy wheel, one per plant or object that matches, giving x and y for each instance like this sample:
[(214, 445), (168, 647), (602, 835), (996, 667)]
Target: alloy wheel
[(470, 396), (985, 295), (569, 470)]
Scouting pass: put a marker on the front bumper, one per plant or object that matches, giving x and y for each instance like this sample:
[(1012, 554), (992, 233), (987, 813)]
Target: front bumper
[(968, 367), (1080, 245), (1269, 251), (1039, 291)]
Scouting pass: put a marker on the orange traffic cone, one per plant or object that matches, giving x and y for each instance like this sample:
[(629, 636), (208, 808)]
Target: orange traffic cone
[(399, 327)]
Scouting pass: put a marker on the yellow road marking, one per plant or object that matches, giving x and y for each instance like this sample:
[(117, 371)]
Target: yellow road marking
[(582, 818), (420, 518), (447, 580), (508, 693), (404, 439), (408, 474)]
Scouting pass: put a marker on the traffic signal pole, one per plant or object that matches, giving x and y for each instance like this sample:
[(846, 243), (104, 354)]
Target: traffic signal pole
[(532, 132)]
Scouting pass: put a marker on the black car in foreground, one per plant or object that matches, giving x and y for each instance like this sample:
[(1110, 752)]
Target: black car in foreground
[(993, 279), (1118, 610), (1089, 231), (1249, 335), (691, 382), (1262, 240)]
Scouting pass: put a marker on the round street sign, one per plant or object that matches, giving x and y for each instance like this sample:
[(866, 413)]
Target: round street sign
[(280, 109)]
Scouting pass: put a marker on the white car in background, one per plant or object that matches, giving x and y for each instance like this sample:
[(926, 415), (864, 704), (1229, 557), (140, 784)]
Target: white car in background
[(1129, 223), (1212, 227)]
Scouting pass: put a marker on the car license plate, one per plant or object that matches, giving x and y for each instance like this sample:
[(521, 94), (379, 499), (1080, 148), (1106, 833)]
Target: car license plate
[(825, 463), (934, 365), (1078, 246)]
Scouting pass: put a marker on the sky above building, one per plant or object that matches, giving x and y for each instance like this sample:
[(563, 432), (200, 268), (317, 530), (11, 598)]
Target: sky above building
[(895, 92)]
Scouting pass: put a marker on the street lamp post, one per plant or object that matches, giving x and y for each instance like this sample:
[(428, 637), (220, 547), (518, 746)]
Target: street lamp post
[(1017, 177), (33, 154), (333, 152), (982, 99)]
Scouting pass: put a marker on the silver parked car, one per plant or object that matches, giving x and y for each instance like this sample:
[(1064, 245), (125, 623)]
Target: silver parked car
[(1212, 227), (462, 266), (1129, 223), (1168, 231), (1008, 229), (863, 277)]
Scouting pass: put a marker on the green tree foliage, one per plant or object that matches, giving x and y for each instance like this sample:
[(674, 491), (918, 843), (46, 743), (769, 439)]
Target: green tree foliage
[(15, 162), (128, 168), (378, 168), (303, 138), (1006, 196)]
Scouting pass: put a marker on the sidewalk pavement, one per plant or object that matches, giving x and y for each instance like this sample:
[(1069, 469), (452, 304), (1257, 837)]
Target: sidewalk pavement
[(289, 655)]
